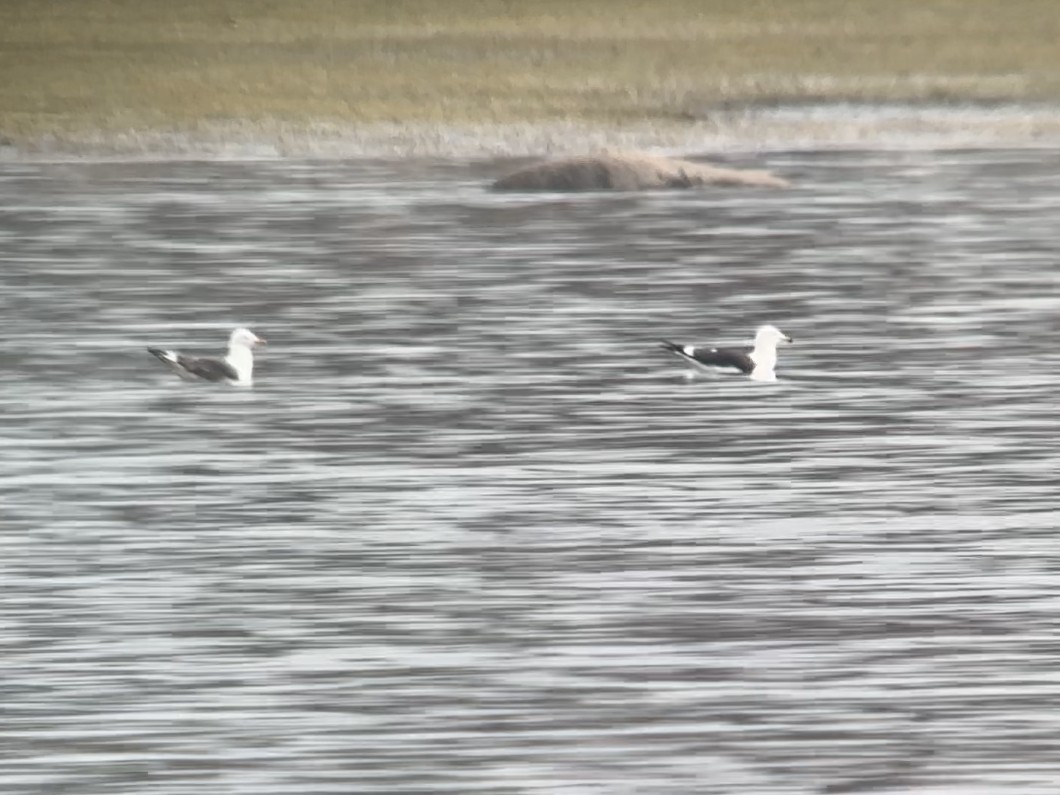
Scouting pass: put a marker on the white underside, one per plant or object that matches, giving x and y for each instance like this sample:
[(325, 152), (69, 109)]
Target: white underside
[(758, 374), (765, 360), (710, 368), (241, 359)]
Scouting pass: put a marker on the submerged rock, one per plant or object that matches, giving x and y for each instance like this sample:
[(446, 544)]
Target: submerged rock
[(627, 172)]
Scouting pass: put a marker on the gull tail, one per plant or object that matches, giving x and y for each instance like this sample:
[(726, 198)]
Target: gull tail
[(166, 356)]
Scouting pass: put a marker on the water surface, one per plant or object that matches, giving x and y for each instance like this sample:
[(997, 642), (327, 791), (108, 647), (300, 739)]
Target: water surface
[(472, 532)]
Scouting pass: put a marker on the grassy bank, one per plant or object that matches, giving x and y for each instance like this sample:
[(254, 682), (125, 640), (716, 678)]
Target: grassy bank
[(111, 65)]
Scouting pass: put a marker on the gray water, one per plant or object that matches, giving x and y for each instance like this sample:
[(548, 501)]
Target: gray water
[(472, 532)]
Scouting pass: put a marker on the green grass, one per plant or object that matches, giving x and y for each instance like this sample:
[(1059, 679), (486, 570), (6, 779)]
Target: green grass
[(109, 65)]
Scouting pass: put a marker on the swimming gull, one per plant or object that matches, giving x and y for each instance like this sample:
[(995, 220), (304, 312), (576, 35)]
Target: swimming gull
[(758, 362), (237, 366)]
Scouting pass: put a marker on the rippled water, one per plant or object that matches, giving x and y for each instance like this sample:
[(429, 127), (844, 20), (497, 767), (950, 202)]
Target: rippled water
[(472, 532)]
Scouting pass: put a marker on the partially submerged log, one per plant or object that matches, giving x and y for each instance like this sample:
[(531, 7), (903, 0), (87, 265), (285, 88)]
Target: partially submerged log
[(627, 172)]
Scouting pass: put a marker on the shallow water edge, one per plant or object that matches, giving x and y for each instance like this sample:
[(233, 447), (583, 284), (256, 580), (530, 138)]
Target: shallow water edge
[(784, 127)]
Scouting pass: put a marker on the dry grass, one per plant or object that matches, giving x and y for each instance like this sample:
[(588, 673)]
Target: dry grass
[(112, 65)]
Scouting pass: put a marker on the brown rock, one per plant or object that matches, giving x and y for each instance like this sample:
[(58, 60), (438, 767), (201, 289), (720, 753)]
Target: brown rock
[(628, 171)]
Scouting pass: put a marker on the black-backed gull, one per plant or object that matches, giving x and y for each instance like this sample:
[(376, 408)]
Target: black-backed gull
[(757, 362), (237, 366)]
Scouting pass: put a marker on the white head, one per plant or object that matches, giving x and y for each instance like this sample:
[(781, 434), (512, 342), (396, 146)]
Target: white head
[(770, 336), (244, 338)]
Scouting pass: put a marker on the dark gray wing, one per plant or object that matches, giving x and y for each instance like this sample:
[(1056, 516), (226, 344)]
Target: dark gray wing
[(206, 368), (724, 357), (713, 357)]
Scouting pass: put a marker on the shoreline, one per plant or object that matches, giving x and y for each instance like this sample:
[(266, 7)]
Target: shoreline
[(473, 79), (837, 126)]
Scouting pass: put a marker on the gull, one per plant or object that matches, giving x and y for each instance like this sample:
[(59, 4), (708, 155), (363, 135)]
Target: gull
[(758, 363), (236, 367)]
